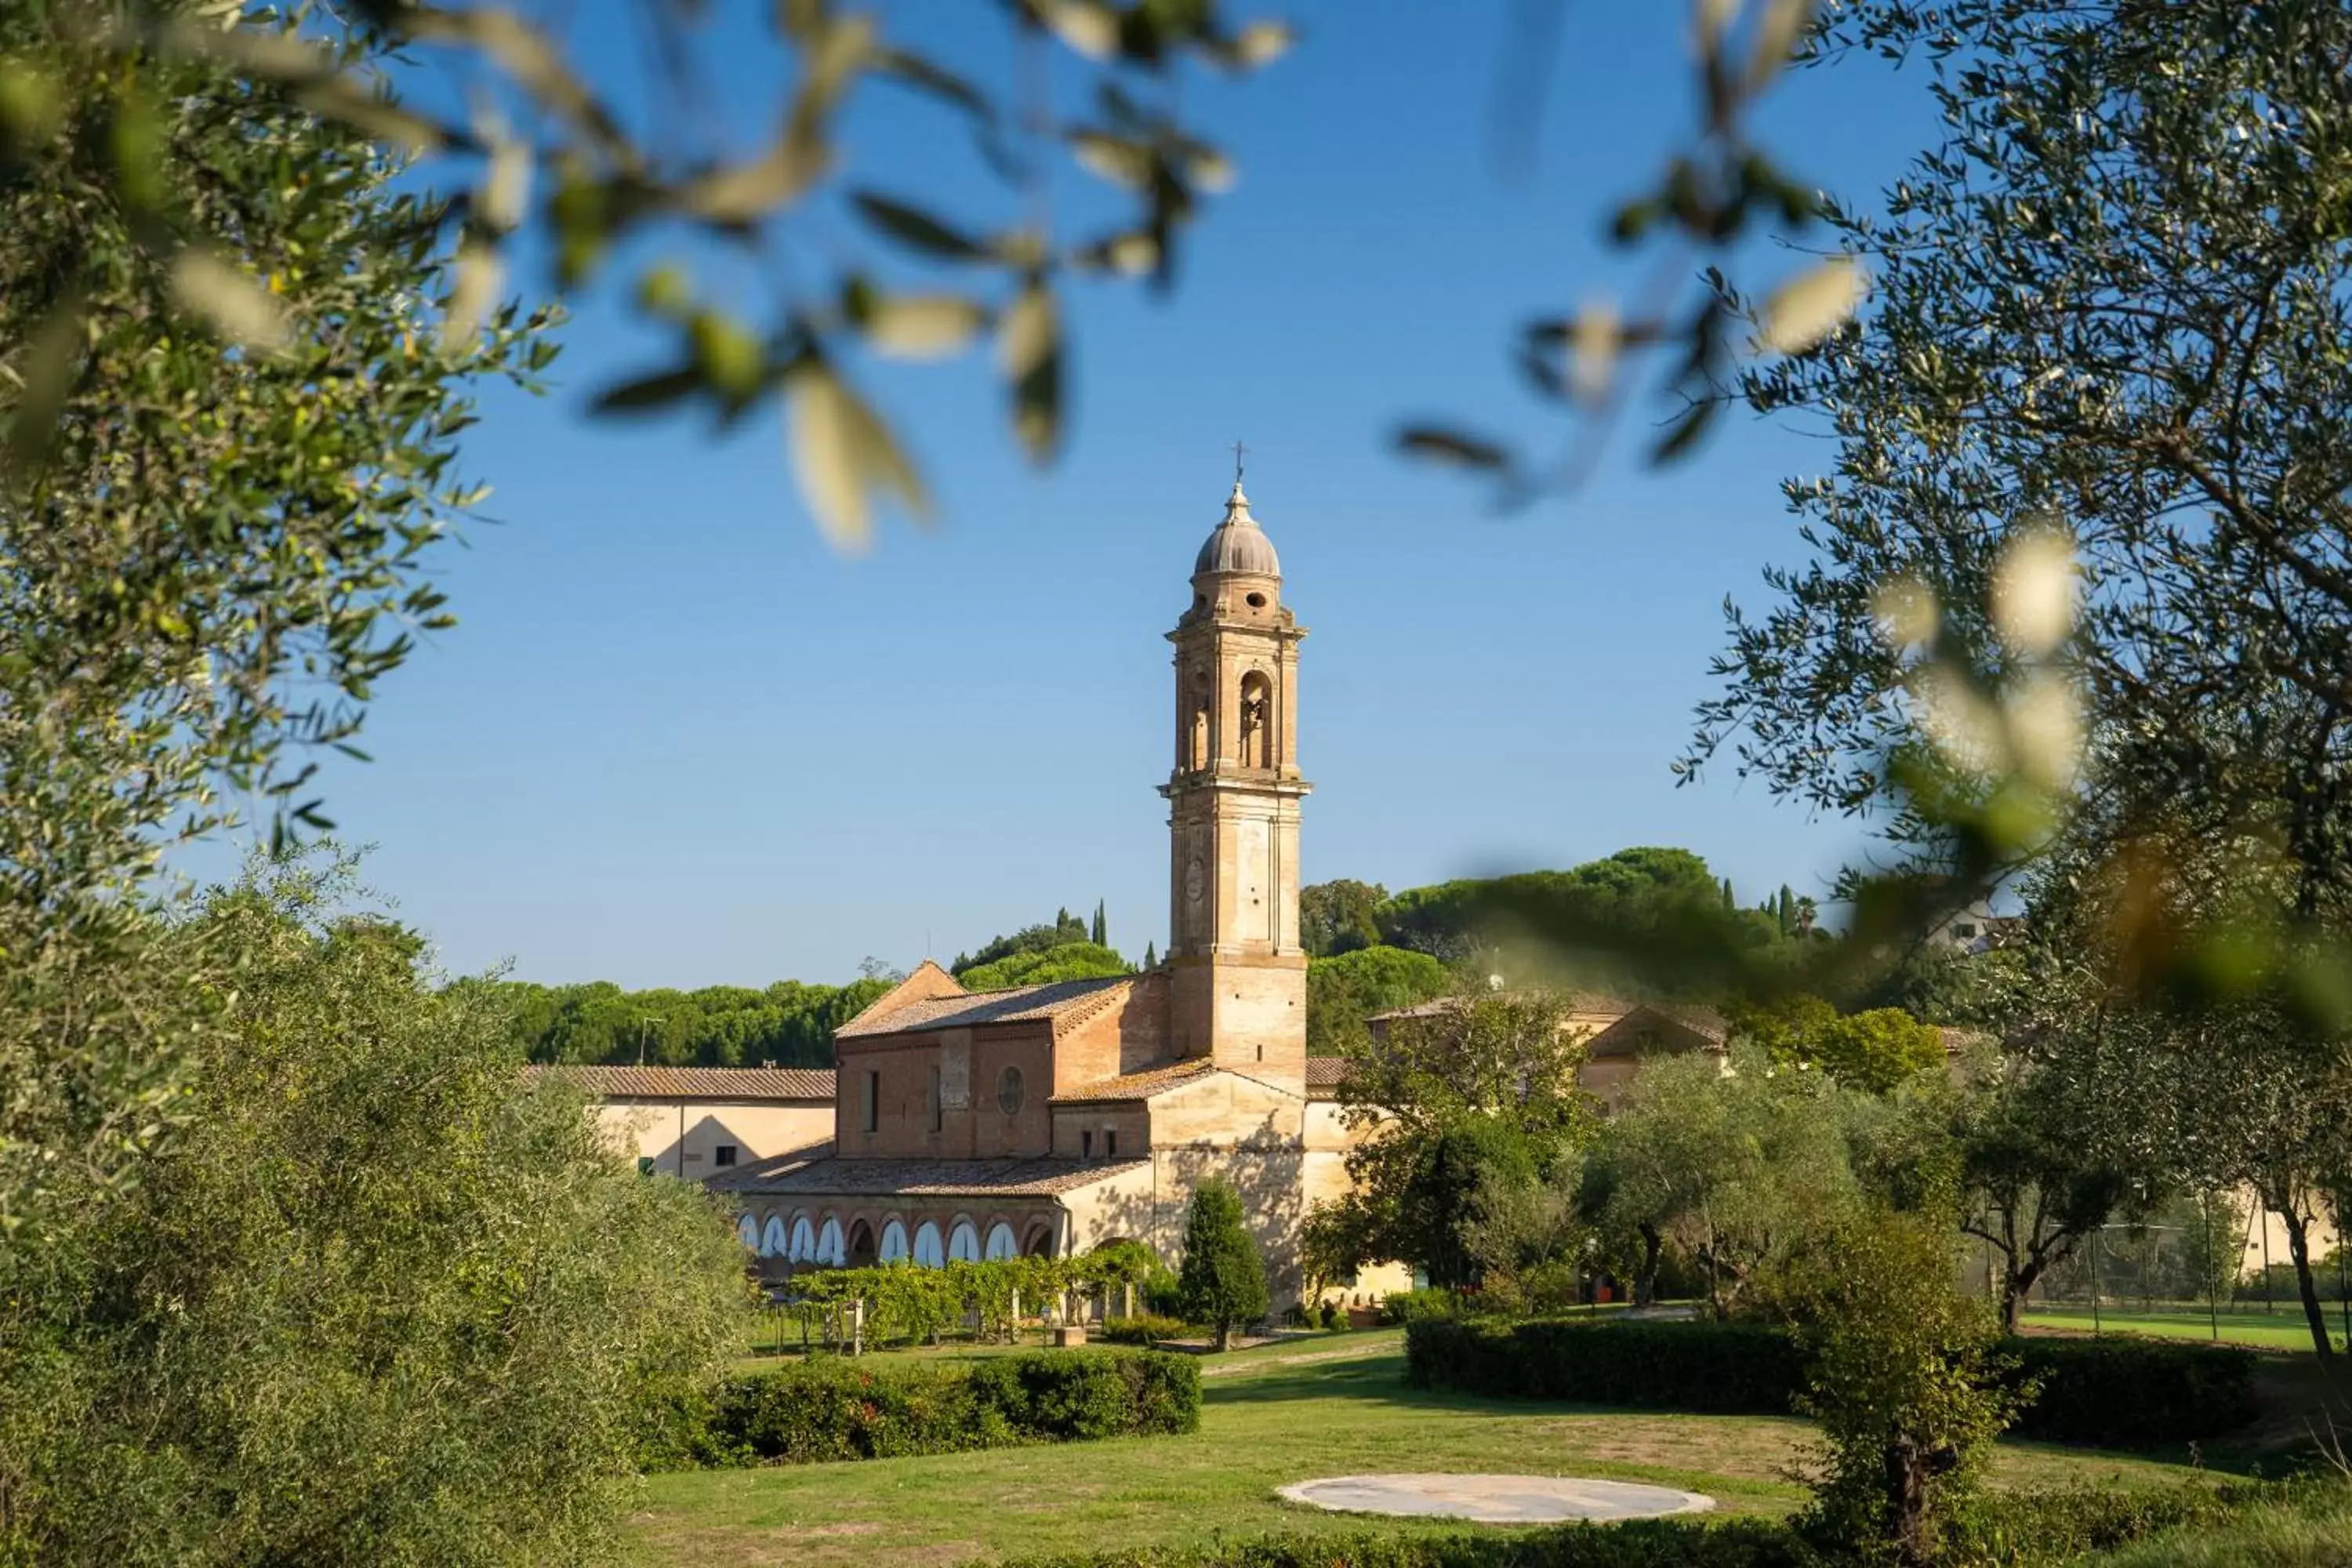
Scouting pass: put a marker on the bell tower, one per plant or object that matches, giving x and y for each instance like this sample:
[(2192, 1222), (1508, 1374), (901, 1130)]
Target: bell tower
[(1238, 974)]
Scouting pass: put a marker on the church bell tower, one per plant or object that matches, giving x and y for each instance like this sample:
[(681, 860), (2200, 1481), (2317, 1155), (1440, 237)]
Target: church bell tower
[(1237, 971)]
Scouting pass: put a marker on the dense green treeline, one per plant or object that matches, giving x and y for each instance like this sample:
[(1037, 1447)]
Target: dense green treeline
[(790, 1023), (1618, 904), (1372, 951)]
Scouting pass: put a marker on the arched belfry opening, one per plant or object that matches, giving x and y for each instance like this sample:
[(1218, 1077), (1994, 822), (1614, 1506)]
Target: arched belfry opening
[(1256, 749), (1239, 976)]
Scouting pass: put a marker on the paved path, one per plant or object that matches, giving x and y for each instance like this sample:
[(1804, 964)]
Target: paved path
[(1495, 1499)]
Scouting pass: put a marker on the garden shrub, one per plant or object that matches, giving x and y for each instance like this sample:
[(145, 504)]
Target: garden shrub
[(828, 1408), (1901, 1375), (1143, 1329), (1335, 1317), (1413, 1306), (2109, 1392)]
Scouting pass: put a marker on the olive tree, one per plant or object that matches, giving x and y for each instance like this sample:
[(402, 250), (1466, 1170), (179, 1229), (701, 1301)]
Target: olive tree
[(228, 454), (379, 1299)]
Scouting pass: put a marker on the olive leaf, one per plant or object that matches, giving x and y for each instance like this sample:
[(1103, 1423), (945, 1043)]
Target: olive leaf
[(842, 453)]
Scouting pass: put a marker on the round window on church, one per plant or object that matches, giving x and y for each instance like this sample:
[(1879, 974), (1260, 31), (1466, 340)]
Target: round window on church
[(1008, 1091), (1258, 601)]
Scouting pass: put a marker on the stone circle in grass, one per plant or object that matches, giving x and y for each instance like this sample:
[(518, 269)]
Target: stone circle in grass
[(1495, 1499)]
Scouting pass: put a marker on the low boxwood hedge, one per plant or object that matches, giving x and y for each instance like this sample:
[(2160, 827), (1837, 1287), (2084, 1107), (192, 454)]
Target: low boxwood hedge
[(1721, 1369), (1143, 1329), (2032, 1528), (829, 1408), (2131, 1393), (2111, 1393)]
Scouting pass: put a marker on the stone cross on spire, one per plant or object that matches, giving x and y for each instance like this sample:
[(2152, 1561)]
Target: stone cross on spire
[(1239, 451)]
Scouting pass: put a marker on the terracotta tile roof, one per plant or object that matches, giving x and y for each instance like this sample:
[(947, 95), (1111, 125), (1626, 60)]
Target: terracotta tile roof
[(1022, 1004), (1583, 1007), (697, 1083), (817, 1173), (1137, 1085), (1323, 1076), (1438, 1008)]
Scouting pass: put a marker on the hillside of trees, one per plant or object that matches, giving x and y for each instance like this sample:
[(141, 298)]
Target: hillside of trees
[(790, 1023), (1371, 950), (1605, 926)]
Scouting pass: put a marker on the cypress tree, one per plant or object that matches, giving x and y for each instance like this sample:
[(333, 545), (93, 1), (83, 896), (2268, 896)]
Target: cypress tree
[(1222, 1281), (1788, 909), (1101, 933), (1729, 905), (1150, 955)]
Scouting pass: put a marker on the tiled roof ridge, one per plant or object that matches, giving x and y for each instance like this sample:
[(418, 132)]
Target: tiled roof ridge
[(1140, 1084), (826, 1174), (663, 1080), (1015, 1004), (1090, 1005)]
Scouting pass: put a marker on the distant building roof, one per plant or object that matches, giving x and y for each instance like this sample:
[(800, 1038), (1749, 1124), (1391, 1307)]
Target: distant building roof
[(1586, 1008), (1022, 1004), (1957, 1040), (695, 1083), (816, 1173), (1324, 1075), (1137, 1085)]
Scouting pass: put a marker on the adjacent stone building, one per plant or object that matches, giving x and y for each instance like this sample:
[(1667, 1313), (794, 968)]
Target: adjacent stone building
[(1050, 1118), (694, 1121)]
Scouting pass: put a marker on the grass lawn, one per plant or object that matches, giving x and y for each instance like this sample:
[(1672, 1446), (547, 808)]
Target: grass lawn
[(2278, 1330), (1273, 1415)]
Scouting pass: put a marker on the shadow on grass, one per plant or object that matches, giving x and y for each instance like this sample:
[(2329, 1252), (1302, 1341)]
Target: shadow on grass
[(2298, 1399)]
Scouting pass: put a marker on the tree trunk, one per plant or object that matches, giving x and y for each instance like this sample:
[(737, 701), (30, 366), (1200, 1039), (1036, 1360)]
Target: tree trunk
[(2298, 1247), (1646, 1282), (1224, 1336)]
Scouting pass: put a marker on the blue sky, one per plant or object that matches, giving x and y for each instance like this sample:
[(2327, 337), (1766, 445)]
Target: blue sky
[(676, 741)]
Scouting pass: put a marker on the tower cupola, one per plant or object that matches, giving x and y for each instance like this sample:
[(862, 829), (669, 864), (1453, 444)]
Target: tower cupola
[(1237, 546)]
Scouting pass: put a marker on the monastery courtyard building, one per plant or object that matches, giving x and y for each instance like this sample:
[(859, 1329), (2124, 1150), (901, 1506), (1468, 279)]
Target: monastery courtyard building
[(1051, 1118)]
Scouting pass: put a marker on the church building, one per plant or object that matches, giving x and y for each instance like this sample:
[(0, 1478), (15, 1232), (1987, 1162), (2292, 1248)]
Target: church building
[(1050, 1118)]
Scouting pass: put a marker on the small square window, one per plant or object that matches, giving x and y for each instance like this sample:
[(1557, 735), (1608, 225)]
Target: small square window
[(724, 1154)]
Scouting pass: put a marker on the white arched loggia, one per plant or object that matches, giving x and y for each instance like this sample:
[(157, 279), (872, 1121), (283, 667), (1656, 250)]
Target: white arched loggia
[(803, 1240), (963, 1243), (894, 1241), (747, 1231), (830, 1248), (771, 1242), (927, 1245), (1000, 1243)]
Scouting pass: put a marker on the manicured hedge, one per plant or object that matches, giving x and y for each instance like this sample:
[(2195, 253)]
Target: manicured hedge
[(1722, 1369), (2129, 1393), (2023, 1530), (2112, 1392), (1143, 1329), (829, 1408)]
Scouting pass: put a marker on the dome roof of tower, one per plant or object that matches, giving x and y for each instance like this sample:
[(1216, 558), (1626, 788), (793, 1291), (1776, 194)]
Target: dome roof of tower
[(1238, 544)]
